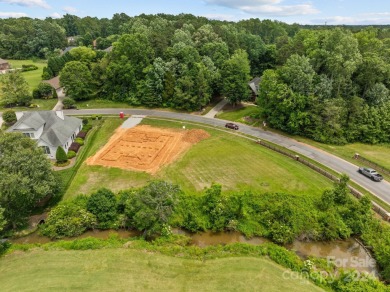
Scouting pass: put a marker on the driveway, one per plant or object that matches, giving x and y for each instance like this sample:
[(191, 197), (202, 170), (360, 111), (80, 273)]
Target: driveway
[(381, 190)]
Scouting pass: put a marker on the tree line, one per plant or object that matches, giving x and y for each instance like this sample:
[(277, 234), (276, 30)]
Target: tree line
[(327, 83)]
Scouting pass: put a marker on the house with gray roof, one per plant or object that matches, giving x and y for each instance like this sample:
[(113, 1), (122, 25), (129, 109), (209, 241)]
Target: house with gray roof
[(50, 129), (254, 85)]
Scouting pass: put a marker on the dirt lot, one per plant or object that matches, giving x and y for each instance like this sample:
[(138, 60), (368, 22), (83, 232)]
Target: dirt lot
[(145, 148)]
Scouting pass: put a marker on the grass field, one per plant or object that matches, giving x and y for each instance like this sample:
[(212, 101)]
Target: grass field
[(376, 153), (379, 154), (125, 270), (33, 78), (236, 163), (239, 114)]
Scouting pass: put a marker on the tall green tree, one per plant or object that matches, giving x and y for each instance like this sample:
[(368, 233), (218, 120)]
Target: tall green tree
[(14, 90), (235, 77), (77, 81), (151, 207), (26, 177)]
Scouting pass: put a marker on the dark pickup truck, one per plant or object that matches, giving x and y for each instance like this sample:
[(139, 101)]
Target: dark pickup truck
[(371, 173)]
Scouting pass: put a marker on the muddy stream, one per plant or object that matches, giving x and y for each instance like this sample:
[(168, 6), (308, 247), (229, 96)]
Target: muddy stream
[(343, 253)]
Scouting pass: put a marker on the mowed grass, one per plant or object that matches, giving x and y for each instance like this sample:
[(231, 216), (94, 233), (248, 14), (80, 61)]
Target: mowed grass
[(239, 114), (33, 78), (129, 270), (380, 154), (234, 162)]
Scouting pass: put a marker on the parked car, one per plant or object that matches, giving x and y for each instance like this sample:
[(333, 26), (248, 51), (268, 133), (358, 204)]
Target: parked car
[(231, 126), (371, 173)]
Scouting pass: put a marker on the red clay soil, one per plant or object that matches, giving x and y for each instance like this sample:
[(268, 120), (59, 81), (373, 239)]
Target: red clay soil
[(145, 148)]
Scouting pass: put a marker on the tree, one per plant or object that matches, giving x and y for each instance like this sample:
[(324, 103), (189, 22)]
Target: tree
[(61, 156), (151, 207), (103, 204), (9, 117), (68, 219), (25, 177), (14, 90), (44, 91), (68, 103), (3, 222), (235, 77), (76, 79), (83, 54)]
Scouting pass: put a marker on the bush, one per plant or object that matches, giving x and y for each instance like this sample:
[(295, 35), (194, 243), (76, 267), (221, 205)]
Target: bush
[(71, 154), (61, 156), (85, 121), (86, 128), (30, 67), (69, 103), (81, 135), (33, 105), (79, 141), (74, 147), (66, 220), (103, 204), (9, 117), (43, 90)]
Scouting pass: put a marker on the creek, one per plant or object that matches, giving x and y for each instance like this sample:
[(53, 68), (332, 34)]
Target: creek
[(343, 253)]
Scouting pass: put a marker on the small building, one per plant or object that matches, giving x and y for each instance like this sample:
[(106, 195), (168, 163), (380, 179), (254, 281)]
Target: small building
[(254, 86), (50, 129), (4, 65)]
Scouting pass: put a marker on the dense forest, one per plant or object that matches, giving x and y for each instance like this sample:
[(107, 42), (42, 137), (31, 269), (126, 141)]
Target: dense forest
[(327, 83)]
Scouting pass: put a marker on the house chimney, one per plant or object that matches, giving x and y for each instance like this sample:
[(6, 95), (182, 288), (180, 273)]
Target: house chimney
[(60, 114)]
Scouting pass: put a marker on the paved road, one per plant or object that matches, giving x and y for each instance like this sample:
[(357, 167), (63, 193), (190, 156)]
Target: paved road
[(381, 190)]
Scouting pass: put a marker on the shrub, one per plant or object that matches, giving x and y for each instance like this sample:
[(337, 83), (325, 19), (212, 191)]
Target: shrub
[(81, 135), (43, 90), (103, 204), (55, 95), (85, 121), (61, 156), (29, 67), (74, 147), (66, 220), (69, 103), (86, 128), (79, 141), (94, 117), (71, 154), (9, 117), (33, 105)]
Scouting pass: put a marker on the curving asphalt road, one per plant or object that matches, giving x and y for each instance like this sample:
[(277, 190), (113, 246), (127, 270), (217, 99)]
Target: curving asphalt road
[(381, 189)]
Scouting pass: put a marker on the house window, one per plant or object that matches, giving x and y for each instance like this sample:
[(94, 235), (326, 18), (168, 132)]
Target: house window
[(30, 135), (46, 150)]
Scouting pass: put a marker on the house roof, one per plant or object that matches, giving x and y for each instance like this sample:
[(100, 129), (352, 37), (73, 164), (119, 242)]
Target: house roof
[(54, 82), (56, 131), (67, 49), (254, 84), (2, 61), (108, 50)]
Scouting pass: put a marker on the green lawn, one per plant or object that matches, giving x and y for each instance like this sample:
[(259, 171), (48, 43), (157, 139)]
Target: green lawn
[(33, 78), (376, 153), (236, 163), (104, 103), (124, 270), (239, 114)]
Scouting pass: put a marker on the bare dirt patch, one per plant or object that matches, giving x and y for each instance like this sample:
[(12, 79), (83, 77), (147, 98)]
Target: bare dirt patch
[(145, 148)]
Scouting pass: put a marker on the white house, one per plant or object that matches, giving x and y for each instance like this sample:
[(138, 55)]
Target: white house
[(50, 129)]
